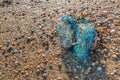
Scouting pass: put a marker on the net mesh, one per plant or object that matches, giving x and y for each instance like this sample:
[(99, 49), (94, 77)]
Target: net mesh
[(81, 36)]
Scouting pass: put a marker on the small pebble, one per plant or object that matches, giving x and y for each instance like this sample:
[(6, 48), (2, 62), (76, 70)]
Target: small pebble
[(74, 70), (26, 74), (79, 67), (44, 75), (59, 67), (38, 67), (41, 26), (37, 71), (76, 78), (5, 65), (0, 46), (59, 78), (93, 64), (10, 48), (6, 55), (43, 55), (15, 51), (69, 73), (51, 67), (12, 52), (91, 52), (99, 68), (88, 70), (20, 51), (0, 72), (43, 70), (112, 31), (16, 63), (98, 38), (32, 31), (3, 52), (29, 40)]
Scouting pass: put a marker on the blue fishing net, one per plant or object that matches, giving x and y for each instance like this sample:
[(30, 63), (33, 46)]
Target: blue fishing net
[(65, 31), (85, 37), (83, 32)]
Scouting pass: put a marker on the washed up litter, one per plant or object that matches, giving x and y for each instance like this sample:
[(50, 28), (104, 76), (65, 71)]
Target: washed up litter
[(78, 34)]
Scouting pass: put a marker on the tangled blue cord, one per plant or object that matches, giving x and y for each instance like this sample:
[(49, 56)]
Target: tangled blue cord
[(81, 36)]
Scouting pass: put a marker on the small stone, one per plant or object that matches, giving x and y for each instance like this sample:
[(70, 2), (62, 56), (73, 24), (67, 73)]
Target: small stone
[(39, 51), (111, 78), (20, 51), (43, 71), (98, 38), (7, 43), (37, 71), (29, 40), (84, 14), (0, 72), (32, 31), (99, 68), (12, 52), (74, 70), (51, 67), (118, 61), (103, 62), (0, 46), (5, 65), (22, 72), (1, 63), (41, 26), (96, 63), (43, 55), (98, 50), (26, 67), (93, 64), (27, 74), (6, 55), (76, 78), (3, 52), (69, 73), (15, 51), (59, 67), (91, 52), (114, 56), (44, 75), (88, 70), (59, 78), (17, 3), (79, 67), (112, 31), (16, 63), (38, 67), (10, 48)]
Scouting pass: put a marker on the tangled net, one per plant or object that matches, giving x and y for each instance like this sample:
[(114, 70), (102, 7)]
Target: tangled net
[(78, 34)]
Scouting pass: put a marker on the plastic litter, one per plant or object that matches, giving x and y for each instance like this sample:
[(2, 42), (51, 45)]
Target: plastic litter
[(79, 34)]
